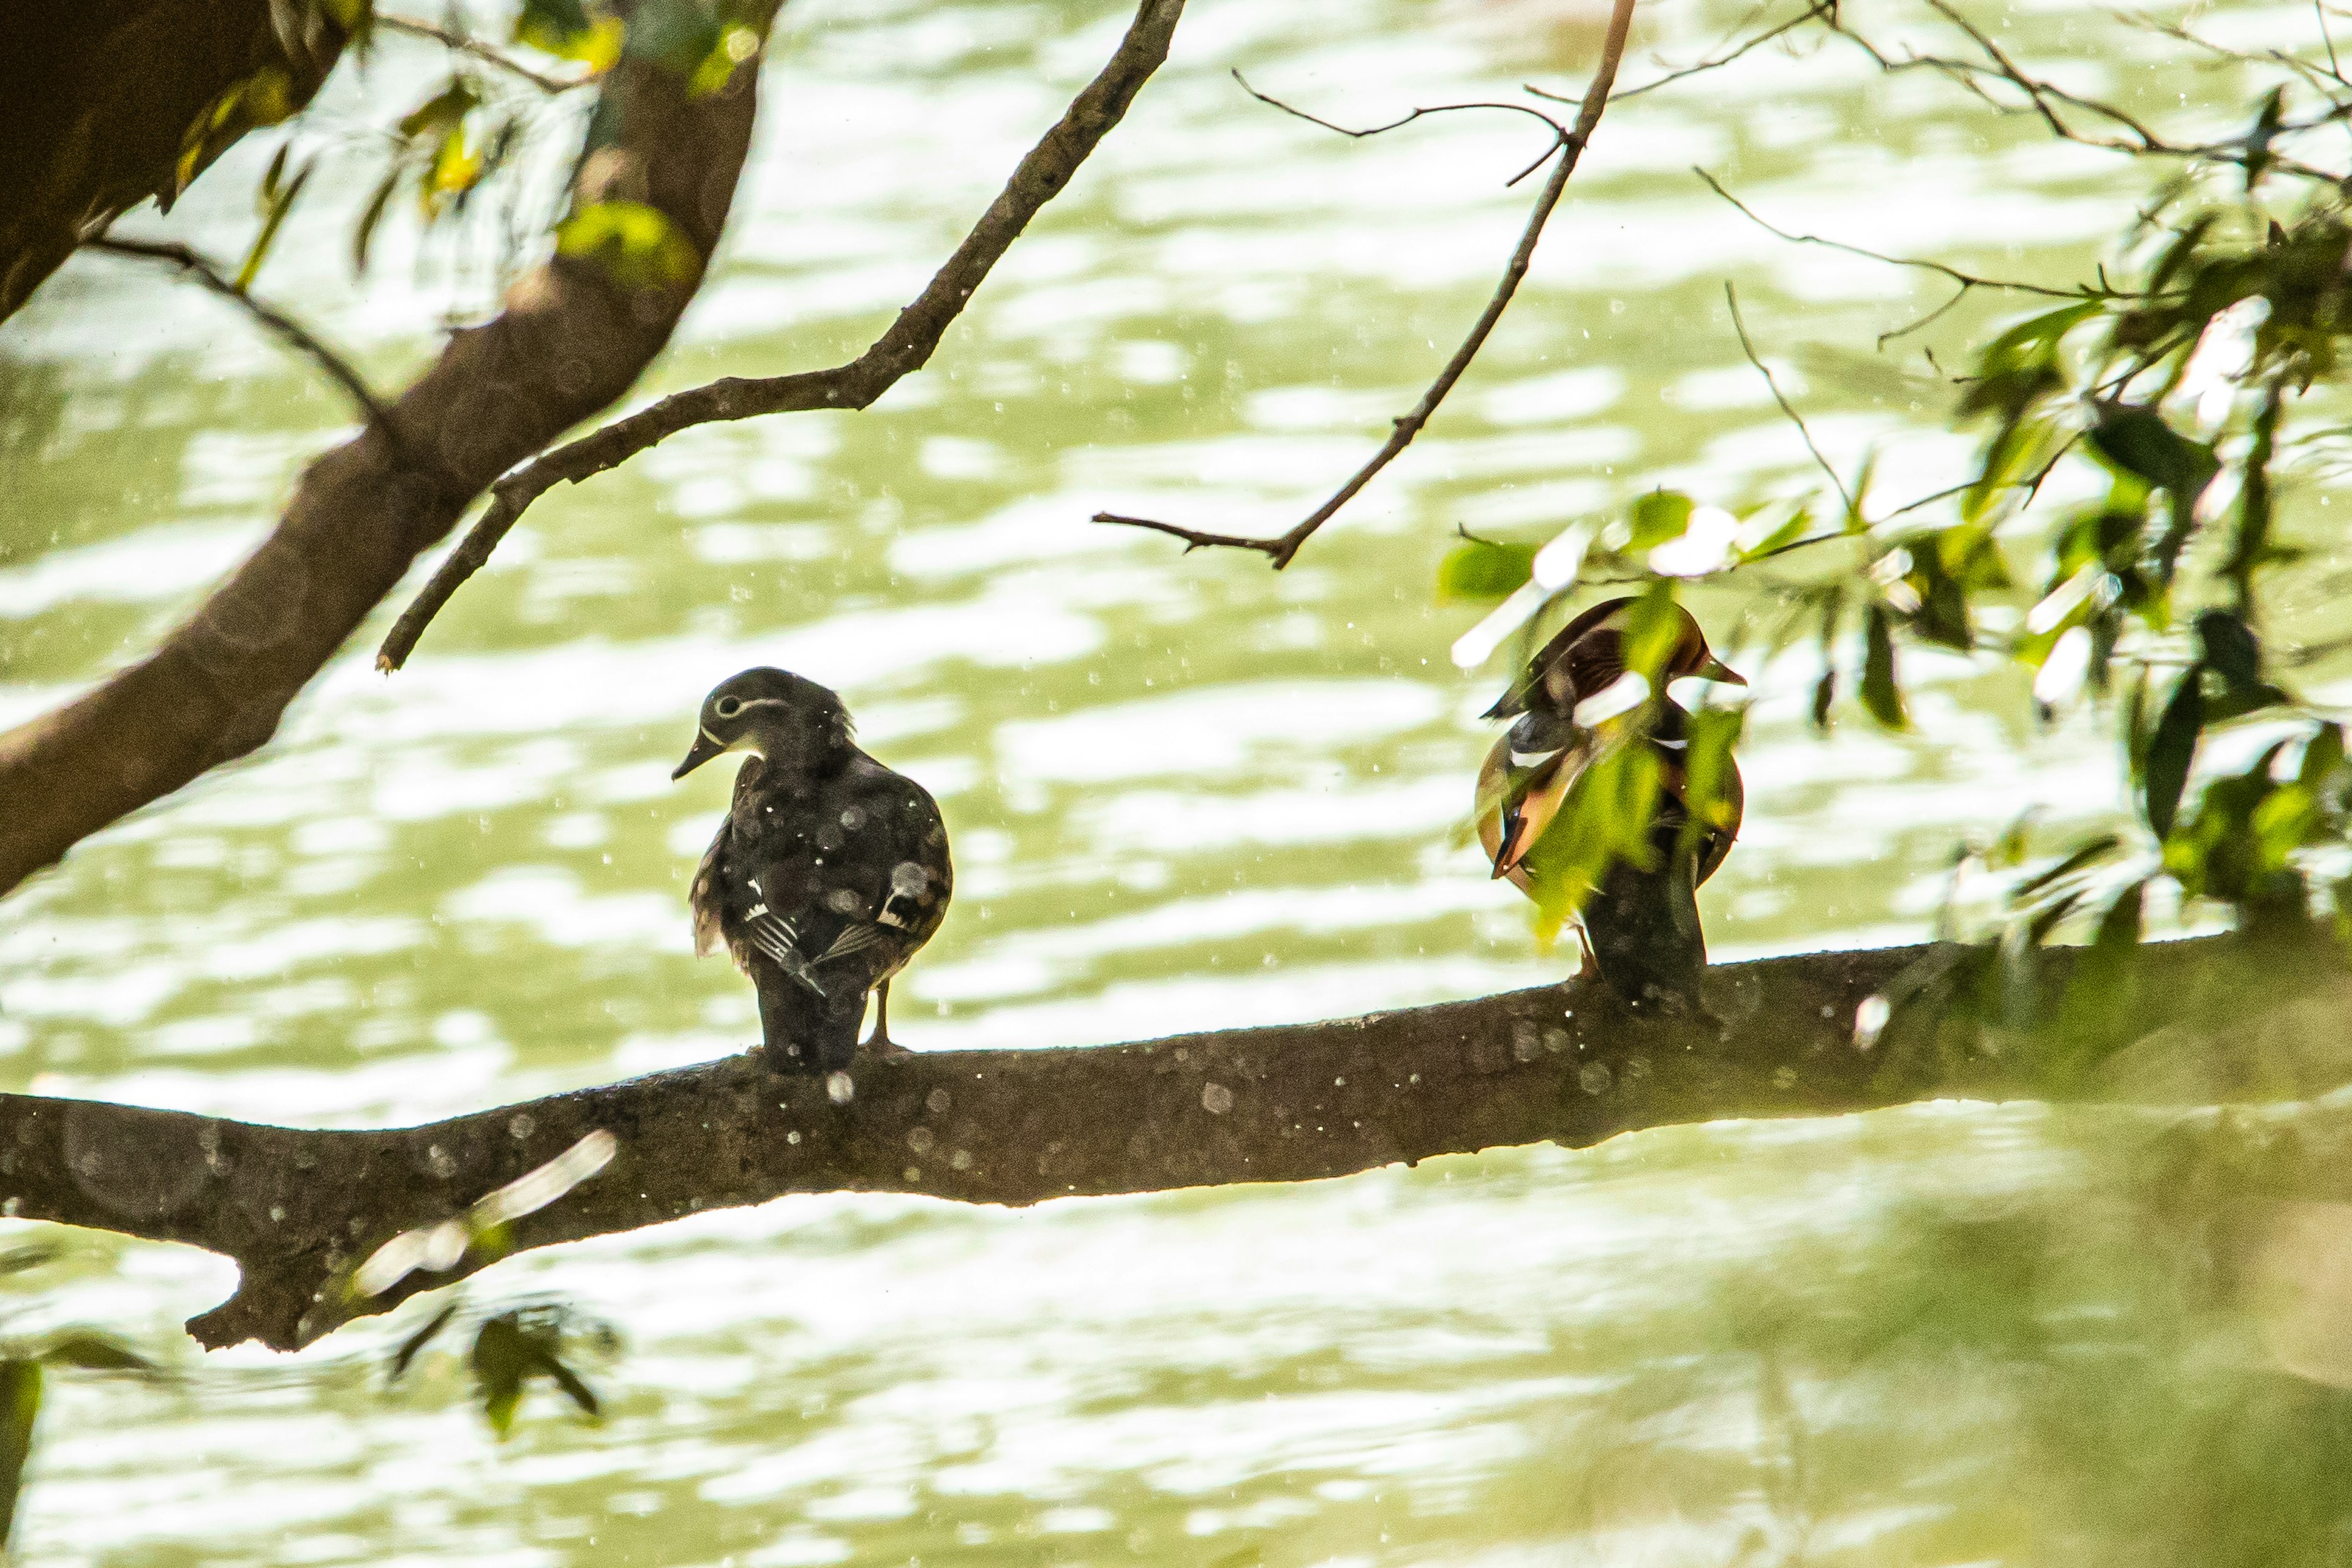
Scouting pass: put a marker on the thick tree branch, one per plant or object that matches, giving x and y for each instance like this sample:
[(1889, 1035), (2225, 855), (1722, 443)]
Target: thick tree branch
[(1280, 550), (298, 1209), (96, 98), (905, 348), (569, 342)]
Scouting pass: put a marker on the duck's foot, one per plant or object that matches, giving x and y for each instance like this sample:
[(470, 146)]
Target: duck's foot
[(879, 1042)]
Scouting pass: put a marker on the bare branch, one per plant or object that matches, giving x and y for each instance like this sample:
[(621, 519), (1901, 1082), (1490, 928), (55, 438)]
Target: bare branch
[(1731, 296), (1817, 8), (1368, 130), (906, 347), (465, 43), (212, 277), (300, 1209), (570, 339), (1571, 146), (1965, 279), (2043, 100)]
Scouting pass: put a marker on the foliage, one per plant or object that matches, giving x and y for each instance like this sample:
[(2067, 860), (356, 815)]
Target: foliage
[(2175, 390), (538, 1338)]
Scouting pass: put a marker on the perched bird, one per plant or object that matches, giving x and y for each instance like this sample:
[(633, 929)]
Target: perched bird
[(1639, 925), (828, 873)]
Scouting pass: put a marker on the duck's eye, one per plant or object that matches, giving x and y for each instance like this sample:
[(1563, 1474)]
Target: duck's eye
[(727, 707)]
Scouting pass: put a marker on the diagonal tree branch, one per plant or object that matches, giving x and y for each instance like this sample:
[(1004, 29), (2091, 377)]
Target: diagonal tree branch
[(300, 1209), (569, 341), (1279, 551), (905, 348)]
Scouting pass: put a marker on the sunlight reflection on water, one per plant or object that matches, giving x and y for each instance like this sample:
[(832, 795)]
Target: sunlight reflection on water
[(1186, 793)]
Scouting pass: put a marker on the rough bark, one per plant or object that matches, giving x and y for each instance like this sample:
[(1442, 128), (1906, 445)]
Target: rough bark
[(296, 1209), (569, 342), (95, 99)]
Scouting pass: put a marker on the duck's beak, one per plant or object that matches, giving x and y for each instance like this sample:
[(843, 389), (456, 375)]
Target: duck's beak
[(1716, 670), (704, 749)]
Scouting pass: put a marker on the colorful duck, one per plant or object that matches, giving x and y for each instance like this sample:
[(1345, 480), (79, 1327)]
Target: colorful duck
[(1638, 925)]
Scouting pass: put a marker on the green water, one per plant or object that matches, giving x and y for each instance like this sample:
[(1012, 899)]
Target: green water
[(1185, 793)]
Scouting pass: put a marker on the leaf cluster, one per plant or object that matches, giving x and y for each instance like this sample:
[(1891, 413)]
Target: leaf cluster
[(511, 1348)]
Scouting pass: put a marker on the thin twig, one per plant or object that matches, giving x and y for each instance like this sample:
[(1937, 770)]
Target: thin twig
[(1817, 8), (1558, 134), (465, 43), (905, 348), (213, 277), (1569, 146), (2041, 95), (1965, 279), (1921, 323), (1731, 296)]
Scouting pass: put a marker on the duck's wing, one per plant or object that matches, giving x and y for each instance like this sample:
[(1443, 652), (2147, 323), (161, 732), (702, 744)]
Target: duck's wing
[(702, 896), (1717, 842), (1563, 652), (705, 895), (885, 890)]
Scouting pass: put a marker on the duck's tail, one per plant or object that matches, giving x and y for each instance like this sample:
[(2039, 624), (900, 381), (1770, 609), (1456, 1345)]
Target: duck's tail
[(807, 1033)]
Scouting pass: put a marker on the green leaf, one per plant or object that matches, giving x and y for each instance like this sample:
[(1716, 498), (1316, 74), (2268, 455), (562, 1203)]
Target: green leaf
[(373, 213), (570, 1382), (283, 204), (442, 111), (565, 29), (735, 45), (1769, 530), (2119, 927), (2282, 825), (1476, 569), (1824, 694), (265, 97), (2251, 548), (633, 244), (2010, 851), (1879, 693), (91, 1351), (2229, 649), (2091, 854), (499, 1359), (2322, 755), (2171, 748), (1656, 518), (1708, 772), (1651, 629), (1943, 613), (1604, 818), (30, 1255), (20, 1406), (415, 1342), (2136, 442), (2139, 442)]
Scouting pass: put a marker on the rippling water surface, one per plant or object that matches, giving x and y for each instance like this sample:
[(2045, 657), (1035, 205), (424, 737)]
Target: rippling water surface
[(1185, 793)]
